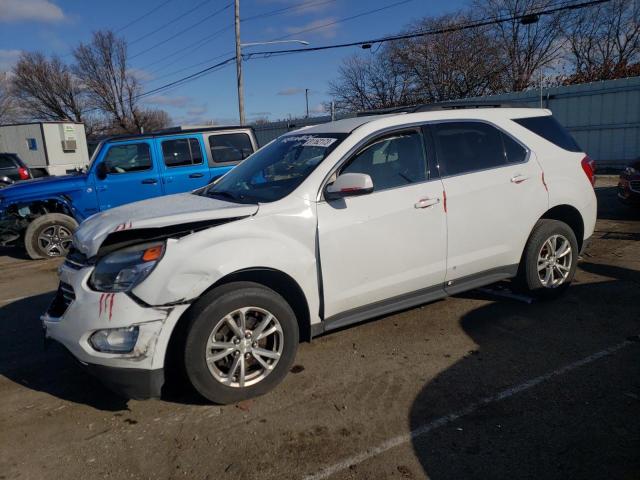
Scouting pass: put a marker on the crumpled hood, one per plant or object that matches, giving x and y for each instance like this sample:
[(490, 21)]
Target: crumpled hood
[(155, 213)]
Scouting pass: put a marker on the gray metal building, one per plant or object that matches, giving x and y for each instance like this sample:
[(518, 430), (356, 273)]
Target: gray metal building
[(604, 117), (55, 147)]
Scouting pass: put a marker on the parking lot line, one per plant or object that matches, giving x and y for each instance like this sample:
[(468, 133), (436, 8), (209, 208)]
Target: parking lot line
[(446, 419)]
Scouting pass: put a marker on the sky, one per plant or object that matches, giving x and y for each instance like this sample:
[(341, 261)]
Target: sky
[(168, 39)]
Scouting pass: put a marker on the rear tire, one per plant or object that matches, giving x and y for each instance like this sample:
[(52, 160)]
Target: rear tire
[(49, 236), (549, 260), (241, 341)]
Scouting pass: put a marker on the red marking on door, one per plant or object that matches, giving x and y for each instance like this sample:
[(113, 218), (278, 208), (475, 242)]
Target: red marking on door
[(544, 183), (444, 202)]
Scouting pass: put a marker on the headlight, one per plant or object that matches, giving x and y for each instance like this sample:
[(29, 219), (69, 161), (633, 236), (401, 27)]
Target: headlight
[(630, 171), (122, 270), (115, 340)]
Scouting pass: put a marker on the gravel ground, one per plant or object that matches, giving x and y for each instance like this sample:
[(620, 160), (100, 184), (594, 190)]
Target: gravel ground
[(473, 386)]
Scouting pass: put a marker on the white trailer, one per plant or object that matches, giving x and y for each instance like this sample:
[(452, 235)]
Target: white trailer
[(56, 148)]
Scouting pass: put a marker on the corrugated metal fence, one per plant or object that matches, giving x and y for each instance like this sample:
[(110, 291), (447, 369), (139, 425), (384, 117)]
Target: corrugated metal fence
[(604, 117)]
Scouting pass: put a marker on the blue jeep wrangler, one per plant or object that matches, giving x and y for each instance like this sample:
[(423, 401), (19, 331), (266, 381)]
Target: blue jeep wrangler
[(42, 213)]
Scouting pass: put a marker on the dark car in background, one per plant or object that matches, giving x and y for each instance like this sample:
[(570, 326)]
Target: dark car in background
[(629, 184), (12, 169)]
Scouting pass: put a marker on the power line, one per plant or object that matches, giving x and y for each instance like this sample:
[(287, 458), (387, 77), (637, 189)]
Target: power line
[(199, 43), (439, 31), (345, 19), (452, 28), (191, 47), (172, 21), (145, 15), (168, 39)]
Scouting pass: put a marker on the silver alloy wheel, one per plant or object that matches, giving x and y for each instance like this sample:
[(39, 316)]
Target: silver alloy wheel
[(244, 347), (55, 240), (554, 261)]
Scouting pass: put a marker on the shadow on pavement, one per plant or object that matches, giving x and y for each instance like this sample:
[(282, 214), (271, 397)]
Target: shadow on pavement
[(610, 208), (24, 360), (581, 425)]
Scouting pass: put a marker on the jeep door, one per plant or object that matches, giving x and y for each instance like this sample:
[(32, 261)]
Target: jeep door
[(388, 243), (495, 194), (131, 174), (183, 166)]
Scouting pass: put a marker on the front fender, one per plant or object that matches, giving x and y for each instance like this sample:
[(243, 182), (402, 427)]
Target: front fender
[(194, 263)]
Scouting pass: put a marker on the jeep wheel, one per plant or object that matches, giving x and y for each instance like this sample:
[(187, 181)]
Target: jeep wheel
[(241, 342), (550, 259), (49, 236)]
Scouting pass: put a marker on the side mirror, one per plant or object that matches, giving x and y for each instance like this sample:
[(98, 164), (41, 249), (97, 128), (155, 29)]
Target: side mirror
[(349, 185), (101, 171)]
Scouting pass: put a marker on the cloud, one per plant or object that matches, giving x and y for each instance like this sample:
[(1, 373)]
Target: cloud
[(324, 27), (291, 91), (166, 100), (260, 114), (319, 108), (8, 58), (30, 11), (303, 8), (140, 74), (197, 110)]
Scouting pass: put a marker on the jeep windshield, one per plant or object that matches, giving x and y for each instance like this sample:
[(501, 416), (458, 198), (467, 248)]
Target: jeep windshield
[(274, 171)]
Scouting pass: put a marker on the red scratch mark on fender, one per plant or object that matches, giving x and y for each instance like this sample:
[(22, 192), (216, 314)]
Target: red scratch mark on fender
[(444, 203), (124, 226), (111, 299)]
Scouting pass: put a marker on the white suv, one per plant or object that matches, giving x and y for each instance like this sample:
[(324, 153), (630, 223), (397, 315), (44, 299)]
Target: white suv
[(324, 227)]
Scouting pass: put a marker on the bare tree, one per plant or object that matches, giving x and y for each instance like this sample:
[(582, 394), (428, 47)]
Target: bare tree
[(604, 41), (450, 65), (526, 48), (366, 83), (111, 86), (8, 107), (46, 89)]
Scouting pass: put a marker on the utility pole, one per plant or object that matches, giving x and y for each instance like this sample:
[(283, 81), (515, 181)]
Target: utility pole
[(306, 96), (239, 63)]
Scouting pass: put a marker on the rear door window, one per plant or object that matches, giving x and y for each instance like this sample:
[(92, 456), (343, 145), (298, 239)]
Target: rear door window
[(468, 146), (548, 128), (181, 152), (230, 147)]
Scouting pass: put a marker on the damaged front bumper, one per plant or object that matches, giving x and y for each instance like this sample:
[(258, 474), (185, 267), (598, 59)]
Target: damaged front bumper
[(77, 312)]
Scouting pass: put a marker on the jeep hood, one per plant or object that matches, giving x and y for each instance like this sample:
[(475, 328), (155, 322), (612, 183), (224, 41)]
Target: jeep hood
[(43, 186), (156, 218)]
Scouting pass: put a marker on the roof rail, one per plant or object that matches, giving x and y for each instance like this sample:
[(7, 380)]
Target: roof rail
[(461, 104), (195, 128), (385, 111)]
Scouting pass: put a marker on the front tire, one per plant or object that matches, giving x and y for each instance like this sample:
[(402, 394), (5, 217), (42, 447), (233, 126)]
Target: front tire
[(550, 259), (49, 236), (241, 342)]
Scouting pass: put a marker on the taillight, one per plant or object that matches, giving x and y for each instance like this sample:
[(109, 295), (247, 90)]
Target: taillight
[(23, 173), (589, 167)]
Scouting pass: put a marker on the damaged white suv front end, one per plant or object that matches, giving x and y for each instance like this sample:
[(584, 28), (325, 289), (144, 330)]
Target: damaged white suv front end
[(96, 314)]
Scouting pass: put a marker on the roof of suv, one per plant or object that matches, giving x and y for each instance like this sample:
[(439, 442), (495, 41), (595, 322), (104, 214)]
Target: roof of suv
[(348, 125)]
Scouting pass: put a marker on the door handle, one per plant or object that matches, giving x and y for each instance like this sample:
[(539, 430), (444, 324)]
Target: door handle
[(519, 178), (196, 175), (149, 181), (426, 202)]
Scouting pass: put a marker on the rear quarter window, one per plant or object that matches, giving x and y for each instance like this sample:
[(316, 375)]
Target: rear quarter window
[(548, 128)]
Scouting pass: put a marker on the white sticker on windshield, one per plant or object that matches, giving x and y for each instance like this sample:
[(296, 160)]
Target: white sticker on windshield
[(319, 142)]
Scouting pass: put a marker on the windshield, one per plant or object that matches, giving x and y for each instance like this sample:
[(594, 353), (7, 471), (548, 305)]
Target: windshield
[(275, 170)]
